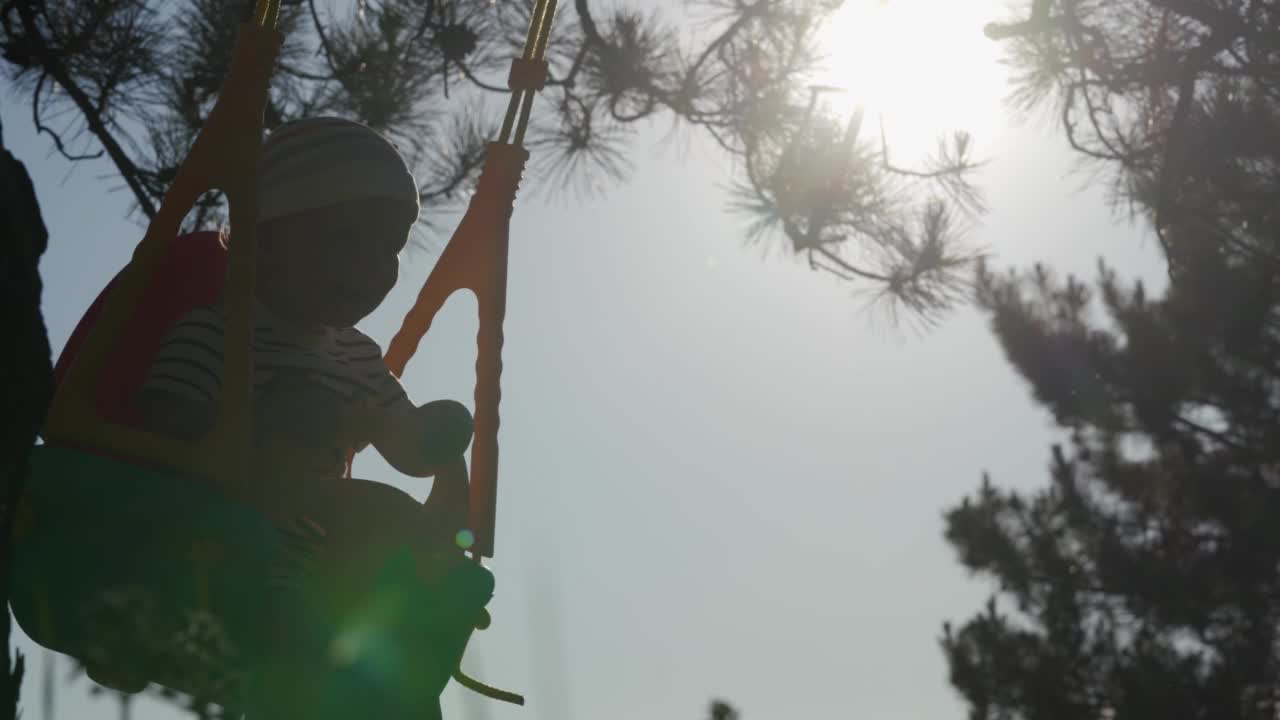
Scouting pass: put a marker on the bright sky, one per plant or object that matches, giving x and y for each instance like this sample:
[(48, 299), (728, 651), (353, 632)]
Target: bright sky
[(718, 478)]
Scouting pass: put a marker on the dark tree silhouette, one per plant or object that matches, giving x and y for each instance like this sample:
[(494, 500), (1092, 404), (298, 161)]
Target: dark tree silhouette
[(721, 710), (27, 375), (1144, 581)]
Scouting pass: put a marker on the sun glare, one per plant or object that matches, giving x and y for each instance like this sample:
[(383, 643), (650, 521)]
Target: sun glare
[(922, 66)]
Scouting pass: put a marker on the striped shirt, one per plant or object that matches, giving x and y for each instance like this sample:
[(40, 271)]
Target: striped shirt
[(302, 381)]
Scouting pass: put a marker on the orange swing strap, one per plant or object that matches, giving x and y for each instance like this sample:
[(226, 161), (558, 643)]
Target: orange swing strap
[(224, 156), (476, 259)]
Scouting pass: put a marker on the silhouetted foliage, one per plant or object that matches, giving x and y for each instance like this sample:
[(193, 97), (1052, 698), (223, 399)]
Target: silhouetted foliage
[(721, 710), (134, 79), (27, 374), (1144, 581)]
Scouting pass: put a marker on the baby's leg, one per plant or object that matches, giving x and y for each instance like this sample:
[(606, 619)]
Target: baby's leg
[(343, 533)]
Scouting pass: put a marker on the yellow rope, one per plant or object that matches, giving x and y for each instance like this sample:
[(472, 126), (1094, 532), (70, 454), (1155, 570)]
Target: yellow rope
[(266, 13), (535, 45)]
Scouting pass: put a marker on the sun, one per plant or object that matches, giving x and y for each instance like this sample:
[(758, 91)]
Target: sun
[(923, 67)]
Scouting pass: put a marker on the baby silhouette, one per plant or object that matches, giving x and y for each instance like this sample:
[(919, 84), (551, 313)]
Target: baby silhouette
[(336, 204)]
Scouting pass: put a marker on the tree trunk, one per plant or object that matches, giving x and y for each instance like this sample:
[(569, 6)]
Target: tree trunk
[(25, 371)]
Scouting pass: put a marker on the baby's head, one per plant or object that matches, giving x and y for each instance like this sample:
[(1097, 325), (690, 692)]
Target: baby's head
[(336, 202)]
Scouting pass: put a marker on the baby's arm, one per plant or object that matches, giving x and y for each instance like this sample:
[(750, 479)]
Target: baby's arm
[(417, 441), (179, 396)]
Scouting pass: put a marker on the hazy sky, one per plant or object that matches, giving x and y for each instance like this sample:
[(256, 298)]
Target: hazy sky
[(718, 478)]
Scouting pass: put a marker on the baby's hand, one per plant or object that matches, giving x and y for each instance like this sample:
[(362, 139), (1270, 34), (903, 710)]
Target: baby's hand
[(420, 441), (445, 428)]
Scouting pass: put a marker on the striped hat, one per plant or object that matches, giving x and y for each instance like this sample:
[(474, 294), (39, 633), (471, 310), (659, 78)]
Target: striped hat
[(312, 163)]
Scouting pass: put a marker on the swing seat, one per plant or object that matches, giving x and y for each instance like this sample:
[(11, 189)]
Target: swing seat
[(160, 578), (109, 558)]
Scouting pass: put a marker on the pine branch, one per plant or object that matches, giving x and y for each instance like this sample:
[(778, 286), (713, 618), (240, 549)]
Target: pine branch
[(53, 65)]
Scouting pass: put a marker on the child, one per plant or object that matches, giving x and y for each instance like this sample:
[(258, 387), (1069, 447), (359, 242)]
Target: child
[(336, 204)]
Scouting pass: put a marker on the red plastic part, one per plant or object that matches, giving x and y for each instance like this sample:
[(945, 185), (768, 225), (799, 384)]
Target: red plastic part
[(191, 275)]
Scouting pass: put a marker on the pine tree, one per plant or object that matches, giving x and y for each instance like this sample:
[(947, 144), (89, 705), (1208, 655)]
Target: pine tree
[(1144, 580)]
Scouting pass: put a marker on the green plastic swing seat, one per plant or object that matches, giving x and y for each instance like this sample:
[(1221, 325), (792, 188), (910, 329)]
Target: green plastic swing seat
[(96, 535), (161, 579)]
